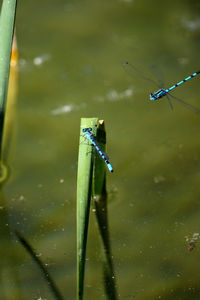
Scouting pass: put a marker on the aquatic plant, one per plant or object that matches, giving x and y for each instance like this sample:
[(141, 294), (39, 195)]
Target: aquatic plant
[(91, 183), (7, 22)]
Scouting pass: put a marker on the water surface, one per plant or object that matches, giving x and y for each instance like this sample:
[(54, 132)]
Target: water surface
[(71, 56)]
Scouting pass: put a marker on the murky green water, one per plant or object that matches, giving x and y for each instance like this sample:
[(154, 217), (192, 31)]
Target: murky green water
[(70, 67)]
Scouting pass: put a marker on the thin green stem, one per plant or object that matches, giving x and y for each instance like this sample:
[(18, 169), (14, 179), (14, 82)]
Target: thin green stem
[(7, 20), (84, 188)]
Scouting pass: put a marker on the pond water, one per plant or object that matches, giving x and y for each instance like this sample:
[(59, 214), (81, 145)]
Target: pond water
[(70, 66)]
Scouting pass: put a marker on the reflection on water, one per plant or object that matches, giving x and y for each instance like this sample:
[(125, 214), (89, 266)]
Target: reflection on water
[(70, 67), (114, 95)]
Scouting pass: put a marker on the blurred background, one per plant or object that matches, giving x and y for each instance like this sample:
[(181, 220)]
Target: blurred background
[(70, 66)]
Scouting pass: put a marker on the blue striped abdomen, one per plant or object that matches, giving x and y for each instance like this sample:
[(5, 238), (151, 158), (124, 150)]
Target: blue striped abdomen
[(102, 154)]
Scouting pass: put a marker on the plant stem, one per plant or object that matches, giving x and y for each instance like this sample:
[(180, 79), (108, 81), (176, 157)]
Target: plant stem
[(7, 20), (84, 187)]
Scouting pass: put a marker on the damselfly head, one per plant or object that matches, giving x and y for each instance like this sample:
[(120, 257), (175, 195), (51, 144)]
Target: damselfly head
[(86, 129), (153, 97)]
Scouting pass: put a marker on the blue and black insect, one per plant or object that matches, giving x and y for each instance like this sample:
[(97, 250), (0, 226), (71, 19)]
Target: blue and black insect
[(89, 135), (162, 92)]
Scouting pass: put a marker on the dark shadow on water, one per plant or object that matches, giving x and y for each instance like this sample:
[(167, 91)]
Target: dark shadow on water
[(41, 265), (100, 204)]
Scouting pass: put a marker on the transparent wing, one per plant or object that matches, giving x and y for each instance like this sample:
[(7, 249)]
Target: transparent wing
[(104, 153), (158, 74), (189, 106), (135, 73), (170, 102)]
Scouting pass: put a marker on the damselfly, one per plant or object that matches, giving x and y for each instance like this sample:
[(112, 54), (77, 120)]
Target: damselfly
[(162, 92), (89, 135)]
